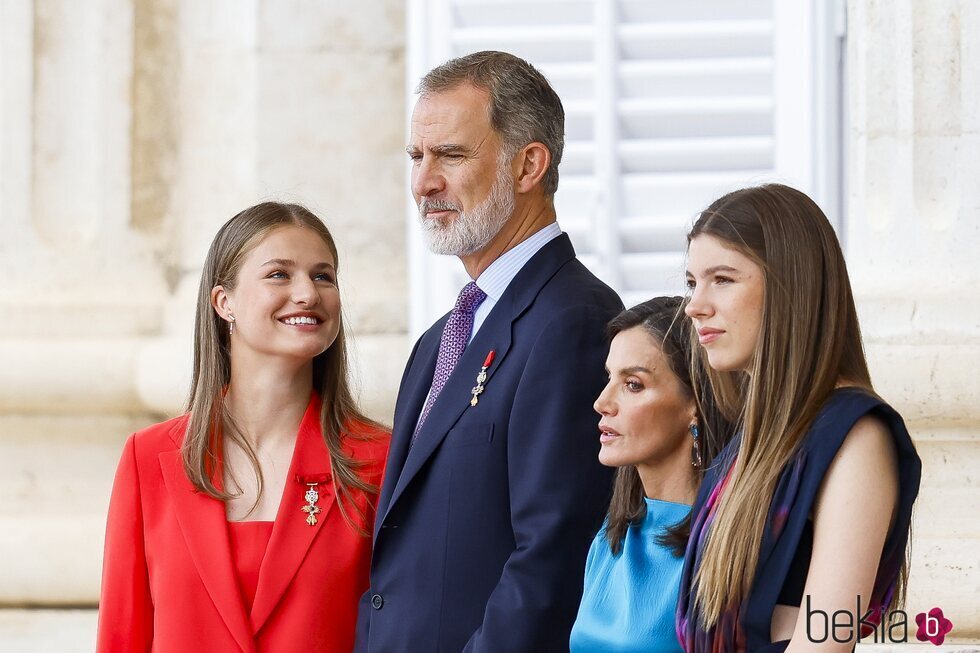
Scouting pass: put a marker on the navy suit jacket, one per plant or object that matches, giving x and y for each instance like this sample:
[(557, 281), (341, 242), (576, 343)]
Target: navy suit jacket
[(484, 523)]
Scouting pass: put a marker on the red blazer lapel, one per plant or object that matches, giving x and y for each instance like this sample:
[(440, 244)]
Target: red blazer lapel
[(204, 526), (292, 535)]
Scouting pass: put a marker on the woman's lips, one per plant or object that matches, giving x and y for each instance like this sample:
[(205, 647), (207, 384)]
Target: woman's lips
[(303, 327), (607, 435), (302, 322), (707, 335)]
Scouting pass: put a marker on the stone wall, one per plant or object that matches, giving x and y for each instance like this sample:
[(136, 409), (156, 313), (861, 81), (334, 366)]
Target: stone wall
[(130, 130), (912, 237)]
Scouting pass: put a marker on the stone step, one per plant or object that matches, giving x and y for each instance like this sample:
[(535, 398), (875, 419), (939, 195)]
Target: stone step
[(48, 631), (55, 477), (61, 465), (50, 560)]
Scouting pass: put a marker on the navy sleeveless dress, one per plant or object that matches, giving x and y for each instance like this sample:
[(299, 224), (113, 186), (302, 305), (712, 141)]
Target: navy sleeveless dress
[(747, 626)]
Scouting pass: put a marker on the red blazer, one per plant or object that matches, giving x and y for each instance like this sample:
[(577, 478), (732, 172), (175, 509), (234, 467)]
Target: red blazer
[(169, 582)]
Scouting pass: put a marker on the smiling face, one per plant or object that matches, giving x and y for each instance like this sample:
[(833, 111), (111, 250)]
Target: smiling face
[(285, 302), (727, 298), (646, 410), (460, 178)]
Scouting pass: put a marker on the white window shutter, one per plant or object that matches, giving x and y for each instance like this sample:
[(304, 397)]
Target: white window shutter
[(668, 105)]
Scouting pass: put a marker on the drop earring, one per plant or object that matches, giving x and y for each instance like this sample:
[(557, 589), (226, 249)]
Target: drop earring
[(231, 324), (696, 447)]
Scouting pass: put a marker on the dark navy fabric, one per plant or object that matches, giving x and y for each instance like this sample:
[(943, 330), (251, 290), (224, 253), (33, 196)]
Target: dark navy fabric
[(787, 518), (484, 523), (792, 591)]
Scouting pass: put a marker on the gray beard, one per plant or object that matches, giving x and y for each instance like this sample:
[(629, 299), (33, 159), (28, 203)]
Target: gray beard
[(473, 230)]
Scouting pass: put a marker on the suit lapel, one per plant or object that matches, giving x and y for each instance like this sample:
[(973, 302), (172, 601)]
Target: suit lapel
[(291, 535), (411, 396), (455, 397), (204, 527)]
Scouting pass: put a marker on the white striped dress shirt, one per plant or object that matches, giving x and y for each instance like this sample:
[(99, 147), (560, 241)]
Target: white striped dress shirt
[(497, 277)]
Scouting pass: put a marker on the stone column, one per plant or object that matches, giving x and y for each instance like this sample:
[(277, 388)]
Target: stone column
[(912, 238), (207, 71), (80, 287)]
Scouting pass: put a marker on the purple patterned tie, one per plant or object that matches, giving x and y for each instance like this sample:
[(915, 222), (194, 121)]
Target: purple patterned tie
[(455, 336)]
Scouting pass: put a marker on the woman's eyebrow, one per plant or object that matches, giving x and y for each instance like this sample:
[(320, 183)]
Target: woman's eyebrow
[(288, 263), (634, 369), (713, 269)]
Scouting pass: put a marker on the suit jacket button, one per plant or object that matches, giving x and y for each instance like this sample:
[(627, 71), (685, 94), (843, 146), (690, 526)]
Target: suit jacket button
[(377, 601)]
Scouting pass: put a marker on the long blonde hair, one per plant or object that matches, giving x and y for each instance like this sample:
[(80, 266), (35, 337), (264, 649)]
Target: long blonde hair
[(212, 365), (809, 340)]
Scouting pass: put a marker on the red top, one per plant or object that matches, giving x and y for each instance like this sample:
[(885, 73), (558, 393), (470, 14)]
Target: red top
[(249, 540)]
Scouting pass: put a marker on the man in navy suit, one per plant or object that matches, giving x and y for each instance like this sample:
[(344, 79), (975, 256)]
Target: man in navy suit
[(493, 489)]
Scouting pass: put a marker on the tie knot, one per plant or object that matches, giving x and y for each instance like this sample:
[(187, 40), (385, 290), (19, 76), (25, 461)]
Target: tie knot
[(470, 297)]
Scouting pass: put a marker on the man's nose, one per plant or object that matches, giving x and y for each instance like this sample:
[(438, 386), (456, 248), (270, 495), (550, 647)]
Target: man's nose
[(427, 179)]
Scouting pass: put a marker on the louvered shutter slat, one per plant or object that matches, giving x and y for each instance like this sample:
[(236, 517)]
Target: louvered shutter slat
[(713, 77), (633, 11), (520, 13), (695, 154)]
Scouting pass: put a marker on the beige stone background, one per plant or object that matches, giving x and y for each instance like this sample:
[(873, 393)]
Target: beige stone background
[(131, 129)]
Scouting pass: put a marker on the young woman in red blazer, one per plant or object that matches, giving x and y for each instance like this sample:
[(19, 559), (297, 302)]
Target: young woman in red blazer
[(245, 524)]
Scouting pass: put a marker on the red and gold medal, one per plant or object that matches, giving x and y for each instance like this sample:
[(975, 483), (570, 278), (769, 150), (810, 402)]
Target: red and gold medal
[(481, 378)]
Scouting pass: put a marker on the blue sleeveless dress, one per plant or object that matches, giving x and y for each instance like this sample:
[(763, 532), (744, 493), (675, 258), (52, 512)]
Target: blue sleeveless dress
[(629, 599), (747, 627)]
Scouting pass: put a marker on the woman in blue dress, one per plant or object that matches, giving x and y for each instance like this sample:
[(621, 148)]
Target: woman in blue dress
[(810, 506), (659, 429)]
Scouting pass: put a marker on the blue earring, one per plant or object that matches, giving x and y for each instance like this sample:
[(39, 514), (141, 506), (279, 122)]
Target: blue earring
[(696, 447)]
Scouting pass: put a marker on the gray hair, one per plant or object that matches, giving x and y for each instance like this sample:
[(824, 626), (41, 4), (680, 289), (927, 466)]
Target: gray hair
[(523, 109)]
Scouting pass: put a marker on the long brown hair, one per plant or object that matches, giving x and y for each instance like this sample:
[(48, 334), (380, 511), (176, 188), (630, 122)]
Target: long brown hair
[(339, 413), (809, 341), (663, 319)]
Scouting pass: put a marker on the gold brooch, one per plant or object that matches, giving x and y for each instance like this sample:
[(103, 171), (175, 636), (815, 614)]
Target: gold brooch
[(311, 496), (311, 509)]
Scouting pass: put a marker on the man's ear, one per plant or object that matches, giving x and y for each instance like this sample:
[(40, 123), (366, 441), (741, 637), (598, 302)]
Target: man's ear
[(533, 161), (221, 303)]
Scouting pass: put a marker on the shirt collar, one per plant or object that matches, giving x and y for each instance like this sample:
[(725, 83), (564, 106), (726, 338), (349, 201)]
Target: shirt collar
[(501, 272)]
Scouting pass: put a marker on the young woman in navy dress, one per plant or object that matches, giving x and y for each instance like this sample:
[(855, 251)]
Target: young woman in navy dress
[(810, 505)]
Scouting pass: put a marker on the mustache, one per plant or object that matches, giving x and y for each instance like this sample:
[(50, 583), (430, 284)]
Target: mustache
[(427, 205)]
